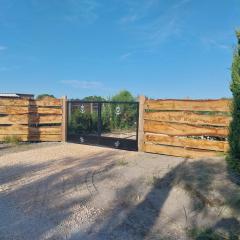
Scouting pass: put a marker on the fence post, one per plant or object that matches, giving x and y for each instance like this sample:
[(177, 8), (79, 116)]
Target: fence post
[(64, 119), (141, 124)]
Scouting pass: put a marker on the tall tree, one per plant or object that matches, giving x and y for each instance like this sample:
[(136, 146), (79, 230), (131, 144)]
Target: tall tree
[(41, 96), (123, 95), (234, 130), (94, 98)]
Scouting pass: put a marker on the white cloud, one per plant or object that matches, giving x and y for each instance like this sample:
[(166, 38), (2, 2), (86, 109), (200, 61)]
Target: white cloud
[(156, 27), (212, 43), (83, 84)]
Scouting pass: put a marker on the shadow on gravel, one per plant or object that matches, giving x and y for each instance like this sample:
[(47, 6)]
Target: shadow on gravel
[(207, 184), (48, 194), (126, 221), (41, 197)]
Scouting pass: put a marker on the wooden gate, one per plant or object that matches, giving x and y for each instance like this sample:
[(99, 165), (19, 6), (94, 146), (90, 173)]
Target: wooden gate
[(186, 128)]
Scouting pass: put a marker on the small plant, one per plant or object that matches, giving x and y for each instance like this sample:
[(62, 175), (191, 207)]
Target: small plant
[(203, 234), (122, 162), (152, 180), (12, 139)]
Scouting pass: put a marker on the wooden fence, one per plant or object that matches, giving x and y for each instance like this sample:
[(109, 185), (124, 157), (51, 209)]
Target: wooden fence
[(31, 120), (186, 128)]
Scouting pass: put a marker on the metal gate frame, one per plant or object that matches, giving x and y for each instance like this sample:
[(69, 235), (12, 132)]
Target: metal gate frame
[(113, 142)]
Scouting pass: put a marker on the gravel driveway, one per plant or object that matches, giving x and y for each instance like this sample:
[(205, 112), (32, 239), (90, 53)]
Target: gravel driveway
[(70, 191)]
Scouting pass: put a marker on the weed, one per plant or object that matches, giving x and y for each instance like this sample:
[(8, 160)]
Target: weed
[(122, 162), (12, 139), (152, 180), (203, 234)]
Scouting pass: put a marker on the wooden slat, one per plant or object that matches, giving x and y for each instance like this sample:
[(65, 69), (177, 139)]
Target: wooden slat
[(188, 117), (25, 110), (13, 102), (41, 137), (178, 151), (13, 110), (222, 105), (175, 129), (46, 138), (45, 130), (14, 119), (221, 146), (47, 102), (14, 129), (21, 129), (30, 119), (46, 119)]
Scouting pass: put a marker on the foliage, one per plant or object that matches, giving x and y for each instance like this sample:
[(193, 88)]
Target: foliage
[(41, 96), (123, 95), (204, 234), (12, 139), (94, 98), (83, 122), (234, 131), (87, 121), (127, 117)]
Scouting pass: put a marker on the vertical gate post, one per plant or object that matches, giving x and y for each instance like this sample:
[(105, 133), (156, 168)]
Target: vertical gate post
[(64, 119), (141, 124)]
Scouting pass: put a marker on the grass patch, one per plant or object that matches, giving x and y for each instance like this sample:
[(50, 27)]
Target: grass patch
[(122, 162), (203, 234), (12, 139), (152, 181)]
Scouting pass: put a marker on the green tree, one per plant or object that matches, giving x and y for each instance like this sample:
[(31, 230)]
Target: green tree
[(123, 95), (41, 96), (128, 112), (234, 129), (94, 98)]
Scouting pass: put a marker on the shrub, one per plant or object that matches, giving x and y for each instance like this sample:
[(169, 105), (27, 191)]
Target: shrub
[(12, 139), (234, 129)]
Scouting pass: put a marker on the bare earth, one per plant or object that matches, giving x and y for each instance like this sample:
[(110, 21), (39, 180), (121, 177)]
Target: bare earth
[(70, 191)]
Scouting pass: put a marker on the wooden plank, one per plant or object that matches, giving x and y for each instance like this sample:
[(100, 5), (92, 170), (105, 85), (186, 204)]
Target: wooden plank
[(46, 102), (39, 138), (221, 146), (174, 129), (14, 119), (25, 110), (179, 152), (43, 110), (24, 130), (222, 105), (188, 117), (30, 119), (54, 130), (13, 102), (14, 129), (13, 110), (46, 138), (46, 119)]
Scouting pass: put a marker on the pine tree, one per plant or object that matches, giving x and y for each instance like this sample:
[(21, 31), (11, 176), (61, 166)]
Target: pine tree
[(234, 130)]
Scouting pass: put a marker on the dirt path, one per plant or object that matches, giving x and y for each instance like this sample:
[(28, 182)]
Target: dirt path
[(69, 191)]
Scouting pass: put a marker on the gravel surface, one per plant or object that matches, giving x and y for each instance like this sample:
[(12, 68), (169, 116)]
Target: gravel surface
[(70, 191)]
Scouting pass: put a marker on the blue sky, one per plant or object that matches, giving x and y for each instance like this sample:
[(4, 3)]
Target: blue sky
[(159, 48)]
